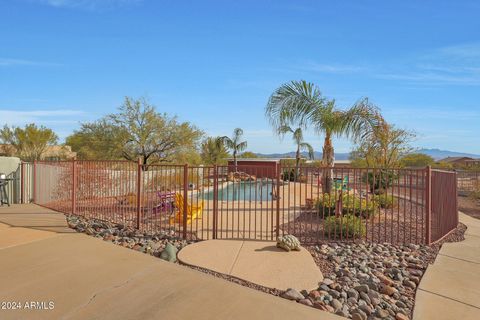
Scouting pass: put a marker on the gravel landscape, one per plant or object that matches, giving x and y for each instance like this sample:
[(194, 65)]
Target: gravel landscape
[(361, 280), (368, 280), (153, 243)]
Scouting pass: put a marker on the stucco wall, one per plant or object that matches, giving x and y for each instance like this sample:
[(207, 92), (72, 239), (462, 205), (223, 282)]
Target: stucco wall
[(9, 164)]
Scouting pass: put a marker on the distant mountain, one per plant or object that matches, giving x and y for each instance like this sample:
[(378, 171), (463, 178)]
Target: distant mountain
[(318, 155), (438, 154)]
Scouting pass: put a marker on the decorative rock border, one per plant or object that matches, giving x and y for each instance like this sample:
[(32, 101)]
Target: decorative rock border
[(163, 244), (369, 281)]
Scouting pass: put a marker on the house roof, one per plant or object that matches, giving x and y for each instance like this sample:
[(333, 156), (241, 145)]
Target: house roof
[(455, 159), (257, 159)]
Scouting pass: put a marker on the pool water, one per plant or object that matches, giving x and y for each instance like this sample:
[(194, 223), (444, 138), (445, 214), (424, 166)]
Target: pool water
[(244, 190)]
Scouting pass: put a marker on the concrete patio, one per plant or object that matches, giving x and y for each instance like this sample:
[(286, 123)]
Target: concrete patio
[(259, 262), (86, 278)]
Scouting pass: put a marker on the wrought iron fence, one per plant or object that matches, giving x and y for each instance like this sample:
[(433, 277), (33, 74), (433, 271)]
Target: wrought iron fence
[(258, 202), (468, 181)]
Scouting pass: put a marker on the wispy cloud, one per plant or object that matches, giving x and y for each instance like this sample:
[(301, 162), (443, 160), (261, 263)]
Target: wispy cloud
[(450, 65), (433, 113), (59, 116), (87, 4), (332, 68), (461, 51), (15, 62), (8, 62)]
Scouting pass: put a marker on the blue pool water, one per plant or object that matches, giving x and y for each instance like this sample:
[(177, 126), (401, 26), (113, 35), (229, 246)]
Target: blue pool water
[(244, 190)]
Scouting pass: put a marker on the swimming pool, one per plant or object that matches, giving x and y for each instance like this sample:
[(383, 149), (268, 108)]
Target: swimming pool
[(260, 190)]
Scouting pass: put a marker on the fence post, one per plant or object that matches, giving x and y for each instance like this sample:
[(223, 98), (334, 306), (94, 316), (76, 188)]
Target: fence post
[(22, 182), (277, 231), (185, 199), (74, 186), (428, 204), (139, 190), (456, 195), (215, 201), (34, 181)]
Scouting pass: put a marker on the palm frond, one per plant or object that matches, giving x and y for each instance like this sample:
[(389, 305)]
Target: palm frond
[(241, 146), (237, 134), (325, 119), (309, 148), (360, 120), (283, 129), (293, 103), (229, 143), (298, 136)]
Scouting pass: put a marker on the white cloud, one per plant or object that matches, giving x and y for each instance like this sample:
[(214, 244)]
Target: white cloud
[(461, 51), (333, 68), (15, 62), (451, 65), (7, 62), (60, 116)]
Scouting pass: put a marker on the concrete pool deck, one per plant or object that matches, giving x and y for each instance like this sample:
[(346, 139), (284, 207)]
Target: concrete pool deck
[(87, 278), (260, 262)]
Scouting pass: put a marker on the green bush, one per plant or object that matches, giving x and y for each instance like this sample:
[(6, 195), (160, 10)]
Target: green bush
[(351, 204), (288, 175), (385, 201), (348, 226), (475, 193), (380, 181)]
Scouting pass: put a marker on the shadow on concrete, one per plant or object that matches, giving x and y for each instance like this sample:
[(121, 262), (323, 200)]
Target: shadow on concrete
[(270, 249)]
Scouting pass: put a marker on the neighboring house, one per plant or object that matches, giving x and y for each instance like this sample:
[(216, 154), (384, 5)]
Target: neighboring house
[(50, 153), (461, 161), (265, 167), (336, 164)]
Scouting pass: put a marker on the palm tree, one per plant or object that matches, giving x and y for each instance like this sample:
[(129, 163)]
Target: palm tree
[(297, 136), (302, 102), (213, 151), (234, 144)]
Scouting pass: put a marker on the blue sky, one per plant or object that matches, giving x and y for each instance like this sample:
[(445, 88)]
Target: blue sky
[(215, 63)]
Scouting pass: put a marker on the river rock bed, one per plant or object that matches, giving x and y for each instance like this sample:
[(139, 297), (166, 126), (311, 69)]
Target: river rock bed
[(367, 280), (153, 243), (362, 281)]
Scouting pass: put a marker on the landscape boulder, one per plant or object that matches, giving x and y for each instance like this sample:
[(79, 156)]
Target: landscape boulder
[(288, 243)]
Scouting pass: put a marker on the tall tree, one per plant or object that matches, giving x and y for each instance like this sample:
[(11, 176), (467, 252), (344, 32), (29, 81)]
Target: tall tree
[(384, 148), (99, 140), (297, 135), (302, 102), (213, 151), (28, 143), (248, 155), (234, 144), (417, 160), (138, 131)]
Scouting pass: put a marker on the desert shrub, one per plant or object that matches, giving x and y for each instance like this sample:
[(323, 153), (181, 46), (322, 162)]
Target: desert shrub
[(385, 201), (475, 193), (380, 180), (288, 175), (351, 204), (348, 226)]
